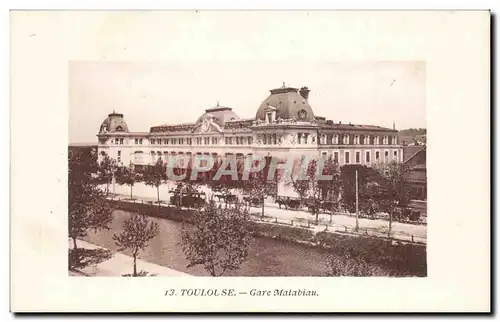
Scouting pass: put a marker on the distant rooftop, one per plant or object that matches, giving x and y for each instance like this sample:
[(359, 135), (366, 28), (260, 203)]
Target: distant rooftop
[(82, 144)]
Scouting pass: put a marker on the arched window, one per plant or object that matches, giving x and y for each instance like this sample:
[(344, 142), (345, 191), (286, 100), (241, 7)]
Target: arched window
[(119, 129)]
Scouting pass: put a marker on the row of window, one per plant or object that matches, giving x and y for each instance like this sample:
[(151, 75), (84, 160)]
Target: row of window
[(302, 138), (357, 139), (347, 156), (269, 139), (186, 141), (238, 140)]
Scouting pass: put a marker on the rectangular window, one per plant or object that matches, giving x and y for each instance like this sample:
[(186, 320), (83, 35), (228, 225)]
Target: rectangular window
[(377, 155), (336, 156), (367, 156), (121, 141), (140, 141), (396, 155), (136, 141), (386, 155), (347, 158), (152, 141), (250, 140), (138, 158), (324, 155), (358, 157)]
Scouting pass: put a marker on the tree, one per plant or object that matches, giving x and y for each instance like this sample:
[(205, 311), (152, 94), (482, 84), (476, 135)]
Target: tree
[(394, 188), (348, 183), (128, 176), (107, 170), (155, 176), (138, 230), (219, 239), (258, 186), (87, 206), (331, 188), (300, 185), (309, 186)]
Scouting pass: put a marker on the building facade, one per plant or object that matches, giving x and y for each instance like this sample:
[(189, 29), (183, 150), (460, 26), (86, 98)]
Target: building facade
[(284, 125)]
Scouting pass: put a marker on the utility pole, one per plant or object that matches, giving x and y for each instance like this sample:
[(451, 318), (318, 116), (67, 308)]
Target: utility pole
[(357, 210), (114, 181)]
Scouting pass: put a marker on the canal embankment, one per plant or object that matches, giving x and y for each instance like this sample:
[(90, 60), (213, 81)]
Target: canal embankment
[(401, 257)]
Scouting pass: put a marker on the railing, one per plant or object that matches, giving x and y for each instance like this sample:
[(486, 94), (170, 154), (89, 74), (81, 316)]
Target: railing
[(326, 226)]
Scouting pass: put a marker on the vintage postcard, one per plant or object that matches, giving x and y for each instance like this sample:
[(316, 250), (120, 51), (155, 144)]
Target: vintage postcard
[(250, 161)]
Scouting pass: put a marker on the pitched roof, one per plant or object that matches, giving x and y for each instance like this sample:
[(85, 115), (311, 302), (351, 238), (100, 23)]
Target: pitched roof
[(412, 153)]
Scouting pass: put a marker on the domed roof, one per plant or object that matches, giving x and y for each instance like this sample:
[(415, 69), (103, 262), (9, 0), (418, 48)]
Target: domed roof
[(289, 104), (219, 114), (113, 123)]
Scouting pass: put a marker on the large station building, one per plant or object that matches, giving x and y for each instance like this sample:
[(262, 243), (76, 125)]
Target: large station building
[(284, 125)]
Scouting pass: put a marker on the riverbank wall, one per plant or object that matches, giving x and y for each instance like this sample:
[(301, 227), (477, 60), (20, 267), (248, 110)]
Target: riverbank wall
[(402, 258)]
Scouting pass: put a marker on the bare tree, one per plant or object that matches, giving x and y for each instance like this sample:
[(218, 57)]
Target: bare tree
[(219, 239), (138, 230)]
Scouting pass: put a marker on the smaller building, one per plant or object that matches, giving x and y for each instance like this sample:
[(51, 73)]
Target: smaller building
[(415, 157)]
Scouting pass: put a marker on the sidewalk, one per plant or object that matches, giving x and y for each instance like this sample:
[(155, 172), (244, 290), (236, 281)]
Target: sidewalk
[(376, 227), (121, 264)]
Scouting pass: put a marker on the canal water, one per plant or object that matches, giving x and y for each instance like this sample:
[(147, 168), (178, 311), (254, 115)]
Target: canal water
[(266, 257)]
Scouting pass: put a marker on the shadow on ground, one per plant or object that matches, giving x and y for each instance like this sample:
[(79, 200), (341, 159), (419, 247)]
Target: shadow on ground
[(81, 257)]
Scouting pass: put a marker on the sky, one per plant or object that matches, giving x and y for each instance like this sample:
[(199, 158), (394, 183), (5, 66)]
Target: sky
[(154, 93)]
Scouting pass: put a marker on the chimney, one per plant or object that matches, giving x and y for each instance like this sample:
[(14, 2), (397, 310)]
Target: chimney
[(304, 92)]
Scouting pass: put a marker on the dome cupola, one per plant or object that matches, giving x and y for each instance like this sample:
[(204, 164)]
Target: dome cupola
[(113, 123), (287, 103), (219, 115)]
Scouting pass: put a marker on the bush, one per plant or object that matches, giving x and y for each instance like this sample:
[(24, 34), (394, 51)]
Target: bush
[(399, 258), (346, 265), (282, 231)]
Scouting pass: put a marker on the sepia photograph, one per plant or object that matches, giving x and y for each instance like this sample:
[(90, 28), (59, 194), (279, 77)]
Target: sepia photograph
[(204, 168), (266, 161)]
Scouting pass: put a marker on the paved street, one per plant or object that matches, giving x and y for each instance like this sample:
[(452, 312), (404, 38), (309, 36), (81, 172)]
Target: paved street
[(378, 226)]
